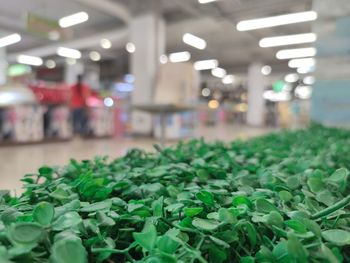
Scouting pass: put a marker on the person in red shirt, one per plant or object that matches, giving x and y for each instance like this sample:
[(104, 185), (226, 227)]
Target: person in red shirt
[(79, 94)]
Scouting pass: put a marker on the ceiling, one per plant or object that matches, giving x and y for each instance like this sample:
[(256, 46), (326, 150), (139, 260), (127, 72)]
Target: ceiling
[(214, 22)]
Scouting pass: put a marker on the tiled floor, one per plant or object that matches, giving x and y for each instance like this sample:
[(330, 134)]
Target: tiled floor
[(19, 160)]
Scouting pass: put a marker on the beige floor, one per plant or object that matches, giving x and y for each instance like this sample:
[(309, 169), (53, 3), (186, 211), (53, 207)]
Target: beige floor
[(19, 160)]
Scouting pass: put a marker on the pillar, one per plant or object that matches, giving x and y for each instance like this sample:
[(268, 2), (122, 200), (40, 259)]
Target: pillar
[(256, 102), (72, 71), (148, 35), (330, 102), (3, 66)]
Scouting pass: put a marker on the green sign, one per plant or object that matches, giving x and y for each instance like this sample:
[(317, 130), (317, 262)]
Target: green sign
[(44, 27)]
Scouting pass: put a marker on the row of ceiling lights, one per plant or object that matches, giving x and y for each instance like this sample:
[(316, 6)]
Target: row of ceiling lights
[(304, 65), (70, 54)]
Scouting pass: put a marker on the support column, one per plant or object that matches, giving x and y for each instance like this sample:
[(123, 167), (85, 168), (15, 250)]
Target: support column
[(148, 36), (256, 102), (330, 103), (71, 72), (3, 66)]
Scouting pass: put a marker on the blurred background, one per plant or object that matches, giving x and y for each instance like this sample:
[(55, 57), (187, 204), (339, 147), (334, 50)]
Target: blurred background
[(81, 78)]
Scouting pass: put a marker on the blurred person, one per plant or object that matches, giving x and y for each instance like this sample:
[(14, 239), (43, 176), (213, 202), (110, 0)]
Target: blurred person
[(79, 94)]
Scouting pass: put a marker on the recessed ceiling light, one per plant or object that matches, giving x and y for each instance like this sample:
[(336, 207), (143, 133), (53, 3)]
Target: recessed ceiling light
[(105, 43), (296, 53), (163, 59), (206, 64), (228, 79), (266, 70), (292, 77), (179, 56), (50, 64), (94, 56), (9, 40), (130, 47), (73, 19), (194, 41), (29, 60), (68, 52), (301, 62), (206, 1), (276, 20), (287, 40), (218, 72)]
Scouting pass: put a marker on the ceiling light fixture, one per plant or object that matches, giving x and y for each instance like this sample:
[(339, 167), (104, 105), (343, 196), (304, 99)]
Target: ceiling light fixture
[(276, 20), (218, 72), (94, 56), (29, 60), (194, 41), (163, 59), (105, 43), (292, 77), (73, 19), (309, 80), (180, 56), (206, 64), (68, 52), (305, 70), (288, 40), (206, 1), (50, 64), (130, 47), (301, 62), (296, 53), (9, 40), (266, 70), (228, 79)]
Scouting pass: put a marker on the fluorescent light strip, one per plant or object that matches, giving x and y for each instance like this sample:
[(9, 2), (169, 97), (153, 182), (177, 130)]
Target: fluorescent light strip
[(206, 64), (301, 62), (9, 40), (276, 20), (287, 40), (218, 72), (68, 52), (296, 53), (194, 41), (206, 1), (73, 19), (180, 56), (29, 60)]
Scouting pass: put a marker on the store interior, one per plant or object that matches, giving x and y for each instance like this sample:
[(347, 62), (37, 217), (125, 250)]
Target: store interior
[(224, 73), (174, 131)]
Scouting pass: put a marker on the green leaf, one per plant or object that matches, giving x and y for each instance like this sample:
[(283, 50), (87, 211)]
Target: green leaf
[(285, 196), (296, 225), (43, 213), (264, 206), (147, 238), (69, 250), (296, 249), (241, 200), (206, 197), (205, 224), (226, 216), (67, 220), (338, 237), (98, 206), (216, 254), (192, 211), (25, 232), (167, 244)]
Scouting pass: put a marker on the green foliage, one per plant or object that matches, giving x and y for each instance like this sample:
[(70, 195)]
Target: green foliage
[(281, 198)]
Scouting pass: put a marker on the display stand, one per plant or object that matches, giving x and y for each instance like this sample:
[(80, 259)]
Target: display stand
[(163, 111)]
